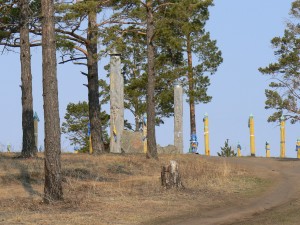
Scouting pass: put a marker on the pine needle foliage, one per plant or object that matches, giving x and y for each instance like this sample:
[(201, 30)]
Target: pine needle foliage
[(226, 151), (283, 95)]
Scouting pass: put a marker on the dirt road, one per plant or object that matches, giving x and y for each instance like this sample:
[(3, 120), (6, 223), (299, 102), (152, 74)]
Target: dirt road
[(269, 207)]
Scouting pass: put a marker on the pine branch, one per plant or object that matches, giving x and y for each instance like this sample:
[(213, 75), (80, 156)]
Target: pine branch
[(72, 59)]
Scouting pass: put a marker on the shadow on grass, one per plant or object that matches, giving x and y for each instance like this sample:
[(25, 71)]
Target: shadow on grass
[(24, 176)]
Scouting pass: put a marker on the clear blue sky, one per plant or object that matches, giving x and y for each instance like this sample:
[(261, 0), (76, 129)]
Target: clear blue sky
[(243, 30)]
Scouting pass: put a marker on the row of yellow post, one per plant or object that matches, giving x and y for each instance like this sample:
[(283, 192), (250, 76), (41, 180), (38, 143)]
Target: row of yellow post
[(282, 139), (239, 154), (252, 139)]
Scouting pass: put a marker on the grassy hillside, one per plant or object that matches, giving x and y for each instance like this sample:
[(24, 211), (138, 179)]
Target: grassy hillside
[(119, 189)]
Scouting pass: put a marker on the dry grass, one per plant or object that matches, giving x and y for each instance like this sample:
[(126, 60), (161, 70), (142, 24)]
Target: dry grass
[(116, 189)]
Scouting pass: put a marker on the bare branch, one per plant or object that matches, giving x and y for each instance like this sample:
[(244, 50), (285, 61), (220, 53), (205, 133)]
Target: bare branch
[(72, 59), (83, 73), (81, 64), (292, 91), (81, 50), (18, 45)]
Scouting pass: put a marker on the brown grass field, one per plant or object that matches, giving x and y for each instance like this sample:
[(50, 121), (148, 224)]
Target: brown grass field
[(121, 189)]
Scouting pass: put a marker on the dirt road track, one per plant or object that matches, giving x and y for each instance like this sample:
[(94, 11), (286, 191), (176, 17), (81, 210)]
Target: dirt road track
[(286, 187)]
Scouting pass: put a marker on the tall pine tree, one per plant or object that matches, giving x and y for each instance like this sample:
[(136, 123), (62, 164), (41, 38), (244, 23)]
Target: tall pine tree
[(53, 177), (284, 93)]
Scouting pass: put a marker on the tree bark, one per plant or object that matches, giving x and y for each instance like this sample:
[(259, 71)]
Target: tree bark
[(151, 139), (191, 86), (93, 83), (29, 149), (53, 179)]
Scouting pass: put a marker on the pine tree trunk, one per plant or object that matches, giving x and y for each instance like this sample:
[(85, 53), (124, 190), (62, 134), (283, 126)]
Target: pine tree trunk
[(28, 147), (191, 86), (151, 139), (93, 84), (137, 123), (53, 178)]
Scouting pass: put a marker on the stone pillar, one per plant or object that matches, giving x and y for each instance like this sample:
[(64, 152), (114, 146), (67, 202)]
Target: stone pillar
[(252, 137), (282, 137), (206, 135), (36, 123), (178, 117), (116, 103)]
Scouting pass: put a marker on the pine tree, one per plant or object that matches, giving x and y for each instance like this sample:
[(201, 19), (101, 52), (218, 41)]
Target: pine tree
[(29, 148), (196, 42), (227, 151), (284, 95), (16, 17), (76, 125), (75, 47), (53, 177)]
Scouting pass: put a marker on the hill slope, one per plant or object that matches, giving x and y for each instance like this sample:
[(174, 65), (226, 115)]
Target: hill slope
[(125, 189)]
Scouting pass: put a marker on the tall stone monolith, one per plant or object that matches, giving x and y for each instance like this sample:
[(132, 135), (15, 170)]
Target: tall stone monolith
[(116, 103), (178, 117)]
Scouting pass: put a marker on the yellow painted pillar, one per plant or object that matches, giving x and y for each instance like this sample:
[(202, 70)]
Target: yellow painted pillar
[(252, 137), (206, 135), (282, 137), (89, 134), (90, 145), (298, 148), (239, 150), (145, 133), (268, 154)]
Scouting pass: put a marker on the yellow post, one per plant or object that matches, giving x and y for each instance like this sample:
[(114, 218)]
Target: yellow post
[(268, 150), (282, 137), (239, 152), (298, 148), (90, 139), (145, 133), (206, 135), (252, 137), (90, 144)]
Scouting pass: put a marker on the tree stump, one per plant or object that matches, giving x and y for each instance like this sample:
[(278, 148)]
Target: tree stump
[(170, 177)]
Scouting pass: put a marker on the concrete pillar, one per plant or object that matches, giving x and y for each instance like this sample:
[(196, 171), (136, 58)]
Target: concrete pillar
[(298, 148), (252, 137), (178, 117), (36, 129), (282, 137), (116, 103), (268, 154), (206, 135), (239, 150)]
